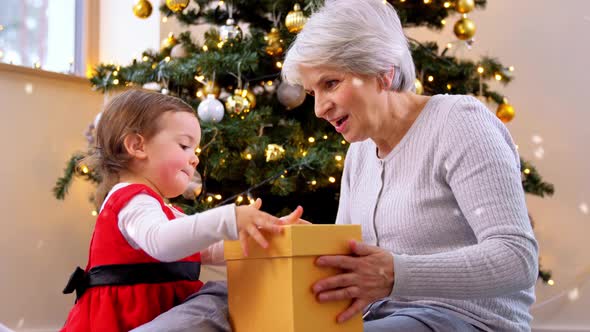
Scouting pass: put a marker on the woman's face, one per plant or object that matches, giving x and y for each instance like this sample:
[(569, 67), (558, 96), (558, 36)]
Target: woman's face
[(349, 102)]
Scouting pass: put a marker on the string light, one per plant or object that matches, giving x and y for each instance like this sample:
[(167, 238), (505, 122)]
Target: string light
[(85, 169), (449, 45), (240, 199), (115, 73), (443, 22), (269, 83), (209, 199), (198, 150), (527, 171), (314, 182), (145, 58), (449, 86), (427, 1), (218, 197), (498, 77), (36, 65), (480, 70), (325, 137), (279, 64), (205, 48), (447, 4), (511, 68), (338, 158), (116, 81), (164, 19), (220, 3), (94, 213), (430, 78), (550, 282), (167, 59), (311, 140), (332, 179), (249, 156), (343, 142)]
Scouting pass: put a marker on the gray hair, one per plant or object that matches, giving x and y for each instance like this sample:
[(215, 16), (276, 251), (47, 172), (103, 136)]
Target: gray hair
[(358, 36)]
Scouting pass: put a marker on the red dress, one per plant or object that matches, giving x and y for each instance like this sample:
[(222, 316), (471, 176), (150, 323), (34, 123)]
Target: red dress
[(124, 307)]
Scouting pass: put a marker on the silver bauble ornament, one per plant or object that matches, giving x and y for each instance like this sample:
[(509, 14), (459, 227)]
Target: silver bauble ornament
[(210, 109), (178, 51), (152, 86), (230, 31), (290, 96), (194, 187)]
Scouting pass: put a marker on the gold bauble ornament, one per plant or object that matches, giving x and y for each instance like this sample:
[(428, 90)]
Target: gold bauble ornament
[(210, 88), (419, 87), (177, 5), (237, 104), (464, 6), (295, 20), (505, 112), (248, 94), (274, 152), (168, 42), (230, 31), (142, 9), (464, 28), (274, 43)]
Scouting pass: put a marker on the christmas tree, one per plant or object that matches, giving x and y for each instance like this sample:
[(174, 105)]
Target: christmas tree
[(260, 136)]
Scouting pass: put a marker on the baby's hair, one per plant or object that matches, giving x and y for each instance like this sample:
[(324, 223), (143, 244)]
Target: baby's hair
[(132, 112)]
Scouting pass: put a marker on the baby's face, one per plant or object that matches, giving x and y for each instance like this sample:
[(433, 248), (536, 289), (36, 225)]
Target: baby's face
[(171, 158)]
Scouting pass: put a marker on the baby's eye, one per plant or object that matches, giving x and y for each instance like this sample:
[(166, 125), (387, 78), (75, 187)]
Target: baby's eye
[(310, 92), (184, 147)]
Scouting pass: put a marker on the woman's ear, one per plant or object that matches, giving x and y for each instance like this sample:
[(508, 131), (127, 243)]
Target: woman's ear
[(387, 79), (135, 146)]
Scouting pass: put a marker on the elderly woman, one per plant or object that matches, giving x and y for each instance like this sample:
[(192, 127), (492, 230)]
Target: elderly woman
[(433, 181)]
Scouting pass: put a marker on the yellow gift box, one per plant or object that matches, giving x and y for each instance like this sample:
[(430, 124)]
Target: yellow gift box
[(270, 290)]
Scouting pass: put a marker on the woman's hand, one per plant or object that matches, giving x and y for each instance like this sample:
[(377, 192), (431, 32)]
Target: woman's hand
[(367, 276)]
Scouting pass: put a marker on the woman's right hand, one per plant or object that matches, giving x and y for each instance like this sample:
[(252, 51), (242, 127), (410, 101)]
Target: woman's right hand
[(250, 220)]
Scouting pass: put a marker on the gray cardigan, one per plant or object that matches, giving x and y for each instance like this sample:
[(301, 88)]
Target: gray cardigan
[(448, 203)]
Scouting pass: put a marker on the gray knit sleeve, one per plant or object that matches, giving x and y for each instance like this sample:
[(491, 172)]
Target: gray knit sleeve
[(343, 215), (480, 164)]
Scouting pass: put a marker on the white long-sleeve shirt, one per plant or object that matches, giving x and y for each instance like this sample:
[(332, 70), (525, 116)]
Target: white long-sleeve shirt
[(145, 226), (448, 203)]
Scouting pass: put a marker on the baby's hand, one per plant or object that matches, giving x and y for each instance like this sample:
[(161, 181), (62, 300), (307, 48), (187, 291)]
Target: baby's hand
[(294, 217), (251, 220)]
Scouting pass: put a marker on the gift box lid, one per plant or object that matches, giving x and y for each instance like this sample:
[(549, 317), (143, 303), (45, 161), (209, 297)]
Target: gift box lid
[(299, 240)]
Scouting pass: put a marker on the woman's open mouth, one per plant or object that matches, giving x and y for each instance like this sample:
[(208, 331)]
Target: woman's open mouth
[(341, 124)]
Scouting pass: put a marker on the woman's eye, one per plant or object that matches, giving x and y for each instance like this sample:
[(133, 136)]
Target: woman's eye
[(184, 147), (331, 83)]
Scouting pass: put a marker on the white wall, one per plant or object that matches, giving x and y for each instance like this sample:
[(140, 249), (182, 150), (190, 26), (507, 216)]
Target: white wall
[(548, 44), (122, 35), (42, 239)]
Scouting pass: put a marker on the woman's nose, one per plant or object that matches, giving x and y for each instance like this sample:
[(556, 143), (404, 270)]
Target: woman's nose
[(321, 107)]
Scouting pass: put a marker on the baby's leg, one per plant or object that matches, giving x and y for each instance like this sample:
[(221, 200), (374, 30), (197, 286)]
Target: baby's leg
[(204, 311)]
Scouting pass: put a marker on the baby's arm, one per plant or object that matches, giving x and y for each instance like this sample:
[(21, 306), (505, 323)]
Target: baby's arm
[(213, 255), (145, 226)]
